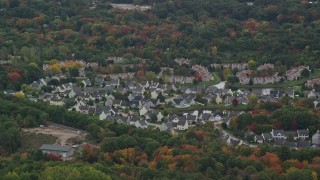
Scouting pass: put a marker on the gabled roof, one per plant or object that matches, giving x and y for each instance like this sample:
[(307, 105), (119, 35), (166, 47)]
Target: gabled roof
[(143, 123), (267, 136), (55, 147), (205, 116), (290, 144), (234, 142), (259, 138), (276, 132), (181, 122), (304, 144), (279, 142), (291, 133), (177, 100), (191, 118), (303, 132)]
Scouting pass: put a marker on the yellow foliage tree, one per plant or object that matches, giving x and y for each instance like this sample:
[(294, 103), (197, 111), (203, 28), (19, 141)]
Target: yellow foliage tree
[(19, 95)]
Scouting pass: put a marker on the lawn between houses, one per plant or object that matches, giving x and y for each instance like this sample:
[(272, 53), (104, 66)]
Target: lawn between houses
[(287, 84), (216, 80), (219, 107)]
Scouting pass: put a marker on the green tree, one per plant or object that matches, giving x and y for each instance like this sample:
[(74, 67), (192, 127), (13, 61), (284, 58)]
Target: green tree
[(253, 100), (252, 64)]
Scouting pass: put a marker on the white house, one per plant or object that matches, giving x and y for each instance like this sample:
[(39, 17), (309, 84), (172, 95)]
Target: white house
[(141, 124), (55, 100), (159, 116), (181, 125), (143, 111), (303, 134), (102, 116), (258, 139), (278, 134), (218, 100), (154, 95), (316, 138)]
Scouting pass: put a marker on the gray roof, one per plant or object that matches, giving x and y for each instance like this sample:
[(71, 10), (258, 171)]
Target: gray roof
[(279, 142), (291, 133), (259, 138), (191, 118), (303, 132), (143, 123), (234, 142), (177, 100), (206, 116), (304, 144), (267, 136), (281, 132), (290, 144), (55, 147)]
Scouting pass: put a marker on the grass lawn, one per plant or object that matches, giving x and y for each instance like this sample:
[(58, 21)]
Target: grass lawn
[(216, 80), (288, 84), (32, 141), (240, 107)]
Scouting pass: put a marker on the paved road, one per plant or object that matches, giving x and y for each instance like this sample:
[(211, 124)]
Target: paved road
[(218, 126), (154, 124)]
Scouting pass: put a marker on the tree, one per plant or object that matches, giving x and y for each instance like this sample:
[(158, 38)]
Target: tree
[(150, 76), (227, 73), (235, 102), (305, 73), (74, 72), (14, 77), (252, 64), (250, 81), (19, 95), (116, 68), (214, 50), (253, 100), (294, 173)]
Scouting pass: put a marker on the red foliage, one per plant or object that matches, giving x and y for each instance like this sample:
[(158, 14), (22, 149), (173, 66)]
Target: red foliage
[(235, 102), (272, 160), (14, 76), (198, 78), (89, 19), (200, 135), (54, 157), (294, 125), (190, 147), (250, 25), (252, 127), (299, 165), (90, 149)]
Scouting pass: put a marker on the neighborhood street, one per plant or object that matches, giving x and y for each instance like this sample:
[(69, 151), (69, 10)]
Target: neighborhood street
[(217, 125)]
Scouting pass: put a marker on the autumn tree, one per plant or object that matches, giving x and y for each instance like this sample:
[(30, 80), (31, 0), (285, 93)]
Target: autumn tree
[(252, 64)]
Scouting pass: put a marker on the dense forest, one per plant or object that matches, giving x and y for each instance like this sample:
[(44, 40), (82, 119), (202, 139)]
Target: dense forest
[(205, 31), (36, 32)]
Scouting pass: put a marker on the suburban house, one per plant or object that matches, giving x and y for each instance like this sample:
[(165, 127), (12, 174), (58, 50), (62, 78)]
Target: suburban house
[(316, 139), (56, 100), (258, 139), (159, 116), (267, 137), (181, 125), (303, 134), (143, 111), (141, 124), (64, 152), (312, 83), (278, 134)]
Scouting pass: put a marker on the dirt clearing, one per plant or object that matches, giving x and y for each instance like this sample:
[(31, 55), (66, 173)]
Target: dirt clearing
[(64, 135)]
